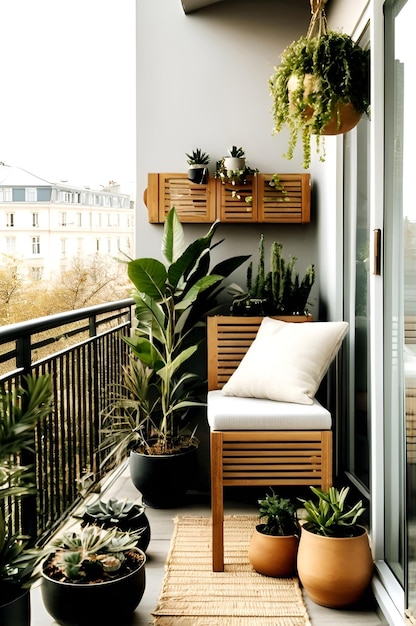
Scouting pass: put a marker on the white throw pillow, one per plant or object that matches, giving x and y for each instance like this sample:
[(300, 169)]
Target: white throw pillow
[(287, 360)]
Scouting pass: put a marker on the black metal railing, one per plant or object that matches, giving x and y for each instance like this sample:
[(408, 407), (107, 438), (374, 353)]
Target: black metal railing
[(83, 351)]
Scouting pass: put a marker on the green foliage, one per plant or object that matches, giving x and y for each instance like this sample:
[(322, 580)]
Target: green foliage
[(172, 301), (235, 152), (280, 289), (112, 510), (340, 68), (197, 157), (92, 552), (279, 514), (330, 516), (20, 411)]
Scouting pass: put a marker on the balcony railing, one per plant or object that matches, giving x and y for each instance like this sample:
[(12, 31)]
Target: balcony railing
[(83, 351)]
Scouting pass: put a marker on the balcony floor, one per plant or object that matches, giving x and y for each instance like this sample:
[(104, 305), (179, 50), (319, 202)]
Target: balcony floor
[(161, 523)]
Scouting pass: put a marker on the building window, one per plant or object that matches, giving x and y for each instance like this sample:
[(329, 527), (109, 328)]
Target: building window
[(30, 194), (35, 220), (35, 245), (100, 220), (79, 220), (9, 220), (63, 247), (97, 243), (10, 245), (19, 194), (80, 244), (35, 273), (43, 194), (62, 218), (5, 195)]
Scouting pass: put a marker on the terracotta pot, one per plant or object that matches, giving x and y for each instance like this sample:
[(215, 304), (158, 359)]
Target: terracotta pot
[(345, 117), (271, 555), (334, 571)]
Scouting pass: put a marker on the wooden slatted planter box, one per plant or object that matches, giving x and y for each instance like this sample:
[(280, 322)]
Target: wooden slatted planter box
[(254, 201), (193, 203)]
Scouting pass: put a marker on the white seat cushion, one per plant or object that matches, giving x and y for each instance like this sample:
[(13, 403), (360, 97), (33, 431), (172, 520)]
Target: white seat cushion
[(235, 413)]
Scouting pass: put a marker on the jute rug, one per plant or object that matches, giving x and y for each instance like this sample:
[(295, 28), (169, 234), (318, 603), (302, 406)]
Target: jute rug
[(193, 595)]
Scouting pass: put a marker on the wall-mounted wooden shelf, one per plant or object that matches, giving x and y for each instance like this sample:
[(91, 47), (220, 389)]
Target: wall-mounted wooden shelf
[(252, 202)]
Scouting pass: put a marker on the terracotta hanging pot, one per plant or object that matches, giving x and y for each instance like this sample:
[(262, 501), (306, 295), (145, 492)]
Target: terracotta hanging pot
[(273, 555), (334, 571), (345, 116)]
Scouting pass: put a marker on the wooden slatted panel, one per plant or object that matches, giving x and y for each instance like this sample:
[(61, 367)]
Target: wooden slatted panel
[(231, 200), (290, 205), (410, 329), (193, 203), (275, 458)]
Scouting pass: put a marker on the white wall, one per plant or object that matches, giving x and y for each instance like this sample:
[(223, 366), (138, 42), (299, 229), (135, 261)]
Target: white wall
[(203, 82)]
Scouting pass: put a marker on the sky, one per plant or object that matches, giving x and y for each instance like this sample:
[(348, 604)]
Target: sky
[(67, 107)]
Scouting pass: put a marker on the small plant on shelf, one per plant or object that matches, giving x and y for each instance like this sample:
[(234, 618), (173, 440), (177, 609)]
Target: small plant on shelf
[(197, 157)]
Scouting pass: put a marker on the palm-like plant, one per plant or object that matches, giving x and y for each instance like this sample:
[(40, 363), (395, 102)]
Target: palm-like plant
[(20, 412), (330, 516)]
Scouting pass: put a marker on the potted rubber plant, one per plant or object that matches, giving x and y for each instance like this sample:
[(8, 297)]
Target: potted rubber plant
[(321, 86), (21, 409), (277, 291), (151, 414), (198, 162), (93, 576), (274, 544), (332, 536)]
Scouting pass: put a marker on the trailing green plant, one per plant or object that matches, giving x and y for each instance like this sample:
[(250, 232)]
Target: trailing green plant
[(317, 74), (20, 411), (197, 157), (279, 515), (280, 289), (149, 410), (93, 554), (330, 516)]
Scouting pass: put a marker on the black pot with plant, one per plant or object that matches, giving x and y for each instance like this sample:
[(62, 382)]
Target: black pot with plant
[(94, 576), (279, 291), (198, 162), (321, 86), (152, 415), (124, 514), (274, 544), (332, 536), (20, 411)]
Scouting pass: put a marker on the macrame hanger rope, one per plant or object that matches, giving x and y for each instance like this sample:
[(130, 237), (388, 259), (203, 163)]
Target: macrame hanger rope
[(318, 20)]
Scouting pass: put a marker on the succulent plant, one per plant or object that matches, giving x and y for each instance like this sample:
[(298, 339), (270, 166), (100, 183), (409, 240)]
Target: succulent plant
[(235, 152), (279, 514), (330, 516), (92, 554), (113, 510), (197, 157)]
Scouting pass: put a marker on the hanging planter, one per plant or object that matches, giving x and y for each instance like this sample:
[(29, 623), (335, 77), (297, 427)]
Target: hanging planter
[(321, 86)]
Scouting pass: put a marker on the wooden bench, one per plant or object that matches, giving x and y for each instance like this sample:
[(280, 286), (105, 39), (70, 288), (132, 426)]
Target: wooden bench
[(250, 457)]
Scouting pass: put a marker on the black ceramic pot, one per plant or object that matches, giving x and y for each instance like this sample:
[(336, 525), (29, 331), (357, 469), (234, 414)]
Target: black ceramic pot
[(14, 605), (111, 602), (138, 520), (163, 480), (198, 174)]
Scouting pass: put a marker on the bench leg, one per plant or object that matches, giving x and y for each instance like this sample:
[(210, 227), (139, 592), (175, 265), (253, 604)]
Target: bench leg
[(217, 503)]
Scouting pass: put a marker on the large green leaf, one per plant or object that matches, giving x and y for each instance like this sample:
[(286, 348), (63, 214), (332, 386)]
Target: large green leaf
[(187, 262), (173, 243), (168, 370), (148, 276)]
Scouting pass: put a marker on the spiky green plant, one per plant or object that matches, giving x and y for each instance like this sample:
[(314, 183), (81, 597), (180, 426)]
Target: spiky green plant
[(197, 157), (330, 516), (91, 554)]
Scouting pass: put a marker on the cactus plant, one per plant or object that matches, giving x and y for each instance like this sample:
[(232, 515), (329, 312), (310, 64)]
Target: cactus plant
[(280, 290)]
